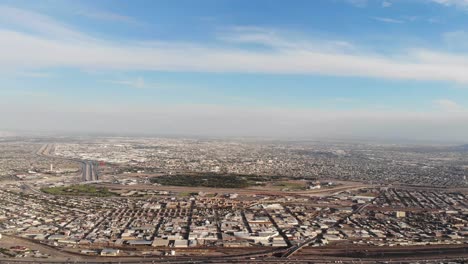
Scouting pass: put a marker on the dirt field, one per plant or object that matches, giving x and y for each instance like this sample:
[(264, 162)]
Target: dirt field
[(9, 241)]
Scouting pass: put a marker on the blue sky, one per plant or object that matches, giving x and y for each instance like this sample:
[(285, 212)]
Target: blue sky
[(301, 69)]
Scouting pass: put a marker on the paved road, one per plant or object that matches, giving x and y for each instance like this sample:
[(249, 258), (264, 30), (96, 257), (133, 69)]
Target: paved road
[(88, 168)]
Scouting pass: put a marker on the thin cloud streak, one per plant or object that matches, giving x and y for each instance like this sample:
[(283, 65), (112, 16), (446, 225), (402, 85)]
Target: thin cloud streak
[(386, 4), (67, 48), (448, 105), (38, 24), (111, 17), (107, 16), (457, 3), (388, 20)]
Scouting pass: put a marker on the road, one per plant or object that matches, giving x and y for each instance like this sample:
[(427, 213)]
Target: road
[(88, 167), (89, 172)]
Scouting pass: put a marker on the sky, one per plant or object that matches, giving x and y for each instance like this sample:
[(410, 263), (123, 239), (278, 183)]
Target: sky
[(338, 69)]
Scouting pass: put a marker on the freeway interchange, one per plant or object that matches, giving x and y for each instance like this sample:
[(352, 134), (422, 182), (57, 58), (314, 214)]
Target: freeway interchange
[(89, 171)]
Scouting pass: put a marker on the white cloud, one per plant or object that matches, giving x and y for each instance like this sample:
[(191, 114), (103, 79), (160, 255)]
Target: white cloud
[(33, 22), (279, 39), (386, 4), (254, 35), (449, 105), (48, 43), (107, 16), (388, 20), (358, 3), (457, 3)]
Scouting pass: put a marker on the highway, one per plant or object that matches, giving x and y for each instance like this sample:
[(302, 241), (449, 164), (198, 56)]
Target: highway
[(88, 167), (89, 172)]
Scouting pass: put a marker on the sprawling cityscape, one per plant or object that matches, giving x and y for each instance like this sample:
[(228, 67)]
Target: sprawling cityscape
[(184, 200), (233, 131)]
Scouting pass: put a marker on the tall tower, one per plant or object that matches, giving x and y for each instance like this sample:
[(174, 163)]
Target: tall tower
[(51, 167)]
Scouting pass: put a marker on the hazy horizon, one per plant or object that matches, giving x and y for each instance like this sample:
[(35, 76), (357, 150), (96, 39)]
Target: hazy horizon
[(385, 70)]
